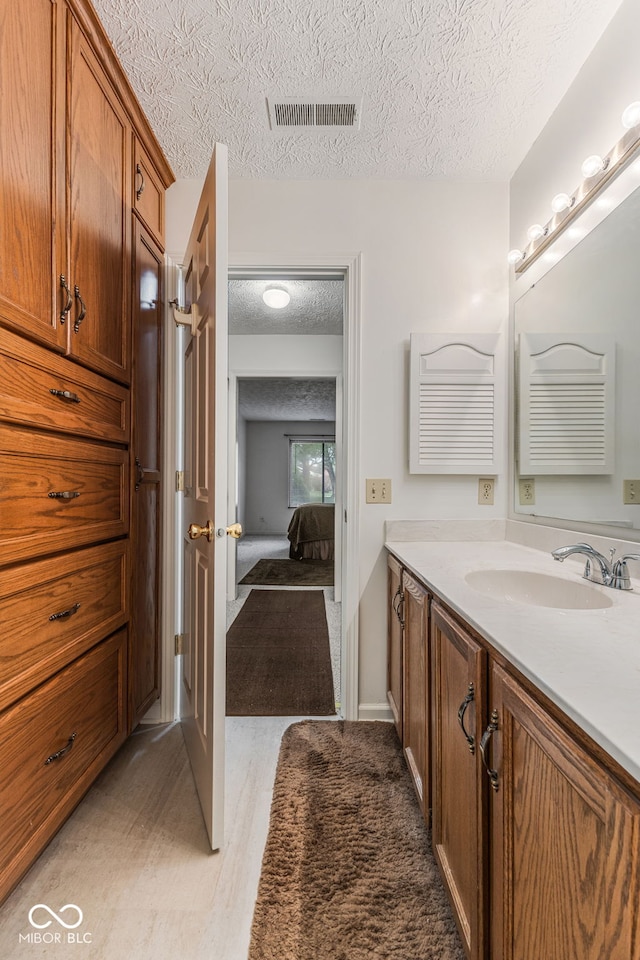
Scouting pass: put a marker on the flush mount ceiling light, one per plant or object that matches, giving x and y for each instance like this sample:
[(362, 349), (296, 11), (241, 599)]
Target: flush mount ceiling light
[(276, 297)]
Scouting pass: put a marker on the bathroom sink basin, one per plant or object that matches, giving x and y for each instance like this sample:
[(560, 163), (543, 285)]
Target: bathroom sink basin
[(538, 589)]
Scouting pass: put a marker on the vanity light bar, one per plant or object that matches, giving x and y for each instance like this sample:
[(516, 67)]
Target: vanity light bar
[(597, 171)]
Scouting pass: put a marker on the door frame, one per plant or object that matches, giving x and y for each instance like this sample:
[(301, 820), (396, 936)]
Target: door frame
[(350, 266)]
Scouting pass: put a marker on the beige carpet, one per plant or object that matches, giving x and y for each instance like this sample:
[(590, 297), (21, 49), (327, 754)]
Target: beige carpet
[(348, 872)]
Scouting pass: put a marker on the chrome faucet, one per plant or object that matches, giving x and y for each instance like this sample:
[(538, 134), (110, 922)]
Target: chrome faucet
[(603, 572)]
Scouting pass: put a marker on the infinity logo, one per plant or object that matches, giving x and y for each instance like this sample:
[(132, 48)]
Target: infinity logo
[(47, 923)]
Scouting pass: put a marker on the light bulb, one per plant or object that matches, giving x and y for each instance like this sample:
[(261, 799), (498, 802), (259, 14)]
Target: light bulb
[(535, 231), (592, 165), (631, 115), (276, 297), (561, 201), (515, 256)]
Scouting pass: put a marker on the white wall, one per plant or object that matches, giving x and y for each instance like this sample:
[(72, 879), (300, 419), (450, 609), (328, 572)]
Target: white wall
[(267, 480), (433, 259)]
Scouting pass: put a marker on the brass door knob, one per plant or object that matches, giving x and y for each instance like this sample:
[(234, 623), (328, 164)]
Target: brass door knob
[(235, 531), (196, 531)]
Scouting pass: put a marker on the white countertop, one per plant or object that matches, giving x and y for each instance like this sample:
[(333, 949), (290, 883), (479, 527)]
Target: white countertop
[(586, 661)]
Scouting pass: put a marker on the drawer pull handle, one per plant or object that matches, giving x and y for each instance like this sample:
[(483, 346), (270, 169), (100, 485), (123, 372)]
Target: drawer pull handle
[(67, 306), (140, 187), (61, 753), (139, 474), (65, 613), (65, 395), (83, 309), (484, 743), (470, 697), (63, 494)]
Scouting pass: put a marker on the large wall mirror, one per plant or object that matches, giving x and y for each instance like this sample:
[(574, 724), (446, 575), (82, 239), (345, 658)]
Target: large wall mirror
[(577, 380)]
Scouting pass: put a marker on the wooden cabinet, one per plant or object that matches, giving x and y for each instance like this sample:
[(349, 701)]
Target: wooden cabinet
[(415, 699), (536, 834), (78, 668), (458, 794), (52, 744), (146, 502), (32, 232), (565, 836), (395, 607), (148, 194), (99, 137)]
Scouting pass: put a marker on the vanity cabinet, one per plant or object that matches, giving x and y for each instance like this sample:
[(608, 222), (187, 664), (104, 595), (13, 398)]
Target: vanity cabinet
[(535, 830), (458, 790), (80, 416), (565, 840), (415, 687), (395, 613)]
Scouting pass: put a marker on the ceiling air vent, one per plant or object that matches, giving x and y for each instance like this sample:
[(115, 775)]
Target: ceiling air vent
[(287, 114)]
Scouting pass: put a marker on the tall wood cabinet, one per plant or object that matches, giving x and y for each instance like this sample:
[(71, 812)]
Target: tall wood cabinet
[(535, 830), (80, 416)]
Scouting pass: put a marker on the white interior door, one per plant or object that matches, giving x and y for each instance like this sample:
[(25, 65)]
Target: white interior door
[(205, 502)]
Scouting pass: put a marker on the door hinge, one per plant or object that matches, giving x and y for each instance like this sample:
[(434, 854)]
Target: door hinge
[(179, 481), (179, 638)]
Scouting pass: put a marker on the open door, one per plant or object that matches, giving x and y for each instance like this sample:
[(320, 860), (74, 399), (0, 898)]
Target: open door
[(205, 501)]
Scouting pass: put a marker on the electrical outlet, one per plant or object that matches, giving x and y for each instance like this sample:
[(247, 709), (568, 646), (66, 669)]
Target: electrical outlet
[(485, 490), (379, 491), (631, 491), (527, 491)]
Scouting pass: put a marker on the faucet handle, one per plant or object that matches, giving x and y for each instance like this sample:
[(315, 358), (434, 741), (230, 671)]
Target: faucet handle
[(620, 579)]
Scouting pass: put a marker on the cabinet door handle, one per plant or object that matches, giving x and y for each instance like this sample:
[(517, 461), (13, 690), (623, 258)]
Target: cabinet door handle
[(67, 306), (397, 602), (462, 709), (65, 395), (83, 309), (484, 743), (140, 188), (139, 474), (63, 494), (61, 753), (65, 613)]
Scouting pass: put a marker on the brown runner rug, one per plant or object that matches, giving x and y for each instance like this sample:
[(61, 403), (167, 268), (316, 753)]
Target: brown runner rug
[(278, 656), (291, 573), (348, 872)]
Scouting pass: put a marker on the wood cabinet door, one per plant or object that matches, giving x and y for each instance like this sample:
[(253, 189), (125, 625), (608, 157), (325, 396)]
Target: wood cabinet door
[(415, 706), (148, 193), (98, 215), (146, 505), (458, 797), (565, 864), (32, 169), (394, 640)]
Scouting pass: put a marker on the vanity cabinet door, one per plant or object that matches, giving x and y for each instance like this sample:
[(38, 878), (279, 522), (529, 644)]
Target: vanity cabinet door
[(565, 841), (458, 792), (394, 640), (415, 705)]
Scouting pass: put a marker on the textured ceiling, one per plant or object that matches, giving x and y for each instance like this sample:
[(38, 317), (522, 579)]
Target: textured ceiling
[(315, 307), (452, 89), (276, 398)]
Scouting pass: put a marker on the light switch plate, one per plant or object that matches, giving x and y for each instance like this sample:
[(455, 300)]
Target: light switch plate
[(379, 491), (631, 491)]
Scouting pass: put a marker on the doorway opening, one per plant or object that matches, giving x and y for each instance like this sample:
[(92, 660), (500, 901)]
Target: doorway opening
[(286, 457)]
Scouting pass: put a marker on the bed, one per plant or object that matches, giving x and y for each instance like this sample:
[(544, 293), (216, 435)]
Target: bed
[(311, 532)]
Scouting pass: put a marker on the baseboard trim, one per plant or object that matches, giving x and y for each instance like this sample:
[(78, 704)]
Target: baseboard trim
[(374, 711)]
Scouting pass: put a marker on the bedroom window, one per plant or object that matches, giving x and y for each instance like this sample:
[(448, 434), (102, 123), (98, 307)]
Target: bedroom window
[(312, 471)]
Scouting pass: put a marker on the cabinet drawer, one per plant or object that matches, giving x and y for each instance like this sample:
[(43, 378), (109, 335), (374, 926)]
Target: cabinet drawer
[(44, 771), (148, 194), (54, 610), (36, 467), (38, 388)]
